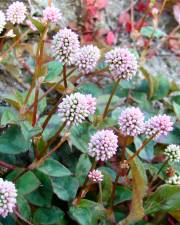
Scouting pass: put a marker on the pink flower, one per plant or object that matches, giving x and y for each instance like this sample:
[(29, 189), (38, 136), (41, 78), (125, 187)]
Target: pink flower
[(86, 58), (103, 145), (91, 103), (131, 122), (95, 176), (75, 108), (8, 196), (51, 14), (110, 38), (2, 21), (64, 45), (122, 63), (16, 12), (160, 124)]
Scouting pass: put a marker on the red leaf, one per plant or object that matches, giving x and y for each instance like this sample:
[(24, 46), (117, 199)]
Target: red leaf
[(110, 38), (124, 18), (128, 27), (141, 6), (98, 4)]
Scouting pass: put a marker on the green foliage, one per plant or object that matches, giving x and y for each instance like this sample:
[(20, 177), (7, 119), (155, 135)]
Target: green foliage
[(65, 187), (149, 32), (12, 141), (54, 168), (87, 212), (82, 168), (27, 183), (46, 216)]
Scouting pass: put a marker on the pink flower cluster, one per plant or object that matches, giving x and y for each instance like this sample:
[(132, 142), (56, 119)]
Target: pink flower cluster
[(51, 14), (95, 176), (2, 21), (8, 195), (103, 145), (159, 125), (75, 108), (16, 12), (122, 63), (86, 58), (64, 45), (131, 122)]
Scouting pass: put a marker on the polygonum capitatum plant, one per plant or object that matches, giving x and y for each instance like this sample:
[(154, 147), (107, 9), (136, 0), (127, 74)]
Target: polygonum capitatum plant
[(84, 142)]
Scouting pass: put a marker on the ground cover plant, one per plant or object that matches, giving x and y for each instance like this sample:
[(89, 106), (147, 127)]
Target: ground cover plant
[(93, 138)]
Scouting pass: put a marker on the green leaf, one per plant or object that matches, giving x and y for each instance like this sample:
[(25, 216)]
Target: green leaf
[(9, 117), (149, 32), (80, 136), (102, 101), (122, 194), (9, 220), (12, 141), (106, 187), (52, 127), (90, 88), (28, 131), (54, 70), (65, 187), (82, 168), (172, 137), (54, 168), (161, 87), (176, 109), (81, 215), (87, 212), (40, 197), (47, 216), (37, 24), (27, 183), (148, 151), (165, 198), (23, 207)]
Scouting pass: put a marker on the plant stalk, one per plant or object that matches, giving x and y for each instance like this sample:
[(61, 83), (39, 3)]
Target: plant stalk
[(106, 110)]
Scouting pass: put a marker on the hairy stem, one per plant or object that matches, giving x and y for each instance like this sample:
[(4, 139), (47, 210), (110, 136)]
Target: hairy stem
[(64, 76), (106, 110), (50, 114), (83, 190), (7, 166), (142, 147)]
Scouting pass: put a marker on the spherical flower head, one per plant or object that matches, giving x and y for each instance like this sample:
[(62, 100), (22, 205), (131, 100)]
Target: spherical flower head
[(122, 63), (159, 125), (172, 152), (103, 145), (74, 109), (51, 14), (31, 25), (65, 44), (131, 122), (91, 103), (2, 21), (95, 176), (86, 58), (174, 180), (8, 195), (16, 12)]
